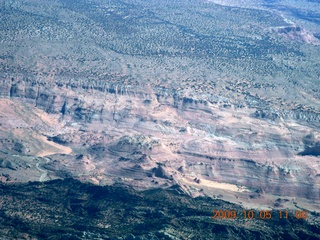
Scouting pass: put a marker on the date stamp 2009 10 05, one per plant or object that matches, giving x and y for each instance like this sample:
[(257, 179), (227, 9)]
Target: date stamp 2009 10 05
[(262, 214)]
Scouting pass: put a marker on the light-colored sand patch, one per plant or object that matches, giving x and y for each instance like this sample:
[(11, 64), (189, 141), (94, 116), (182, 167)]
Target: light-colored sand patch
[(217, 185), (225, 186), (57, 148)]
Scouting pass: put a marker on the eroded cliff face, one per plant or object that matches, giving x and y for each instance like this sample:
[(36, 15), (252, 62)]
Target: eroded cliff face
[(156, 138), (52, 97)]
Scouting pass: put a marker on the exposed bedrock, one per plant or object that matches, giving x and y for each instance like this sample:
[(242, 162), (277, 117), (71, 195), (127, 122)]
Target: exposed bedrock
[(298, 34), (53, 97), (130, 132), (291, 179)]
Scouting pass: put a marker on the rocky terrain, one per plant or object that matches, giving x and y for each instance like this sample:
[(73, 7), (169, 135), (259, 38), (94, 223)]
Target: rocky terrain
[(219, 99), (158, 140)]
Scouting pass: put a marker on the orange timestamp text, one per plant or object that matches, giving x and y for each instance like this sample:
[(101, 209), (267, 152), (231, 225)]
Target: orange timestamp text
[(262, 214)]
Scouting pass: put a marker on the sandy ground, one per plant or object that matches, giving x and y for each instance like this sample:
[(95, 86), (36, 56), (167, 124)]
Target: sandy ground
[(53, 149), (216, 185)]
